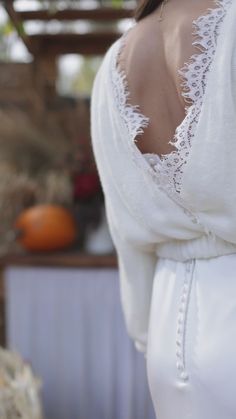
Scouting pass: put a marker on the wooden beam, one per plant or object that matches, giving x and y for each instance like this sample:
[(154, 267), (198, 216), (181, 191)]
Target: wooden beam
[(66, 260), (18, 24), (98, 14), (94, 43)]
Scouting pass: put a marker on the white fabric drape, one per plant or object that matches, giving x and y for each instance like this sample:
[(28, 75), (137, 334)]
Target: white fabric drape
[(68, 324)]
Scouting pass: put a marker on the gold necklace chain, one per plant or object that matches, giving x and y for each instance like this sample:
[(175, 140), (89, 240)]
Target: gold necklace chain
[(162, 9)]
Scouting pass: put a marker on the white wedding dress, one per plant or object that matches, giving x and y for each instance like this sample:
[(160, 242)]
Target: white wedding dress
[(175, 233)]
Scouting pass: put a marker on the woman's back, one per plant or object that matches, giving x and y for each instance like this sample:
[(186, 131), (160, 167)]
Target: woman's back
[(152, 55)]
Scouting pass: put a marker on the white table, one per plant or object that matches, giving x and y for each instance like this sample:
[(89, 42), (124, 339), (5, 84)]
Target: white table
[(68, 323)]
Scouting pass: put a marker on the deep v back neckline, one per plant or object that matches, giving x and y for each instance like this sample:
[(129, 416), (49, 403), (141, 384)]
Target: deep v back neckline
[(167, 169)]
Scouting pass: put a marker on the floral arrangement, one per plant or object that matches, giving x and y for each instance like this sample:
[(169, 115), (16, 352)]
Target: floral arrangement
[(32, 171), (38, 166), (19, 388)]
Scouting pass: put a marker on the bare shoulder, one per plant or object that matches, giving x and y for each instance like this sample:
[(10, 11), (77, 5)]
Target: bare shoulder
[(142, 40), (141, 51)]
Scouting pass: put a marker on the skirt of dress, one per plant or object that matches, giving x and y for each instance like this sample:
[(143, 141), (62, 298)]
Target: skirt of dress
[(191, 351)]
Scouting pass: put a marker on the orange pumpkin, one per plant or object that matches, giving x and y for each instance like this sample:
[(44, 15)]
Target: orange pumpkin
[(45, 228)]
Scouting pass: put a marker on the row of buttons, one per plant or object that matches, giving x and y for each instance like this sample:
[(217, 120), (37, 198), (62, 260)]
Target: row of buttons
[(181, 321)]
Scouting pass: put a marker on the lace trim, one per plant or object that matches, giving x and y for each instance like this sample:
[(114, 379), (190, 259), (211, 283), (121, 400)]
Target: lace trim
[(167, 169), (134, 120), (194, 76)]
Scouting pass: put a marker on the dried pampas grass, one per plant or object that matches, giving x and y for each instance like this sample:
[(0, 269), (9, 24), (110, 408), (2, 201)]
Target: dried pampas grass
[(19, 388), (27, 148)]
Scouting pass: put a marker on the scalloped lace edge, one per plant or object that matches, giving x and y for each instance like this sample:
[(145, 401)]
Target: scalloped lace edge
[(194, 74)]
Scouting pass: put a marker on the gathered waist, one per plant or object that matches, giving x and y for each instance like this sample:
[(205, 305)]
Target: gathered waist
[(204, 247)]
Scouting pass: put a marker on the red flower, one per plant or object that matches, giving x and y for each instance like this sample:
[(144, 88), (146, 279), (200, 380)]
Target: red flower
[(86, 185)]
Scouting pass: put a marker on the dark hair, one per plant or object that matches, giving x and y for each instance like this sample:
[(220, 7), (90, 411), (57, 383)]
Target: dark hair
[(145, 8)]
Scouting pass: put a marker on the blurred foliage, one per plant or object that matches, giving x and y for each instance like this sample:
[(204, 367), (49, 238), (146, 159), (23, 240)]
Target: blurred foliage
[(7, 30), (117, 3), (83, 81)]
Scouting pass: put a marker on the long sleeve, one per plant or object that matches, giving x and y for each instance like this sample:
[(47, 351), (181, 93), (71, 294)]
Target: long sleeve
[(136, 254), (136, 273)]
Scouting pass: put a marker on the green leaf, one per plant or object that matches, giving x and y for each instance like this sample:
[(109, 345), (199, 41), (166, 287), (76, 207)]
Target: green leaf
[(7, 28), (117, 3)]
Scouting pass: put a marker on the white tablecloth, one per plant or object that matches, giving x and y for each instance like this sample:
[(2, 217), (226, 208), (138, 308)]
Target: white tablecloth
[(68, 324)]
